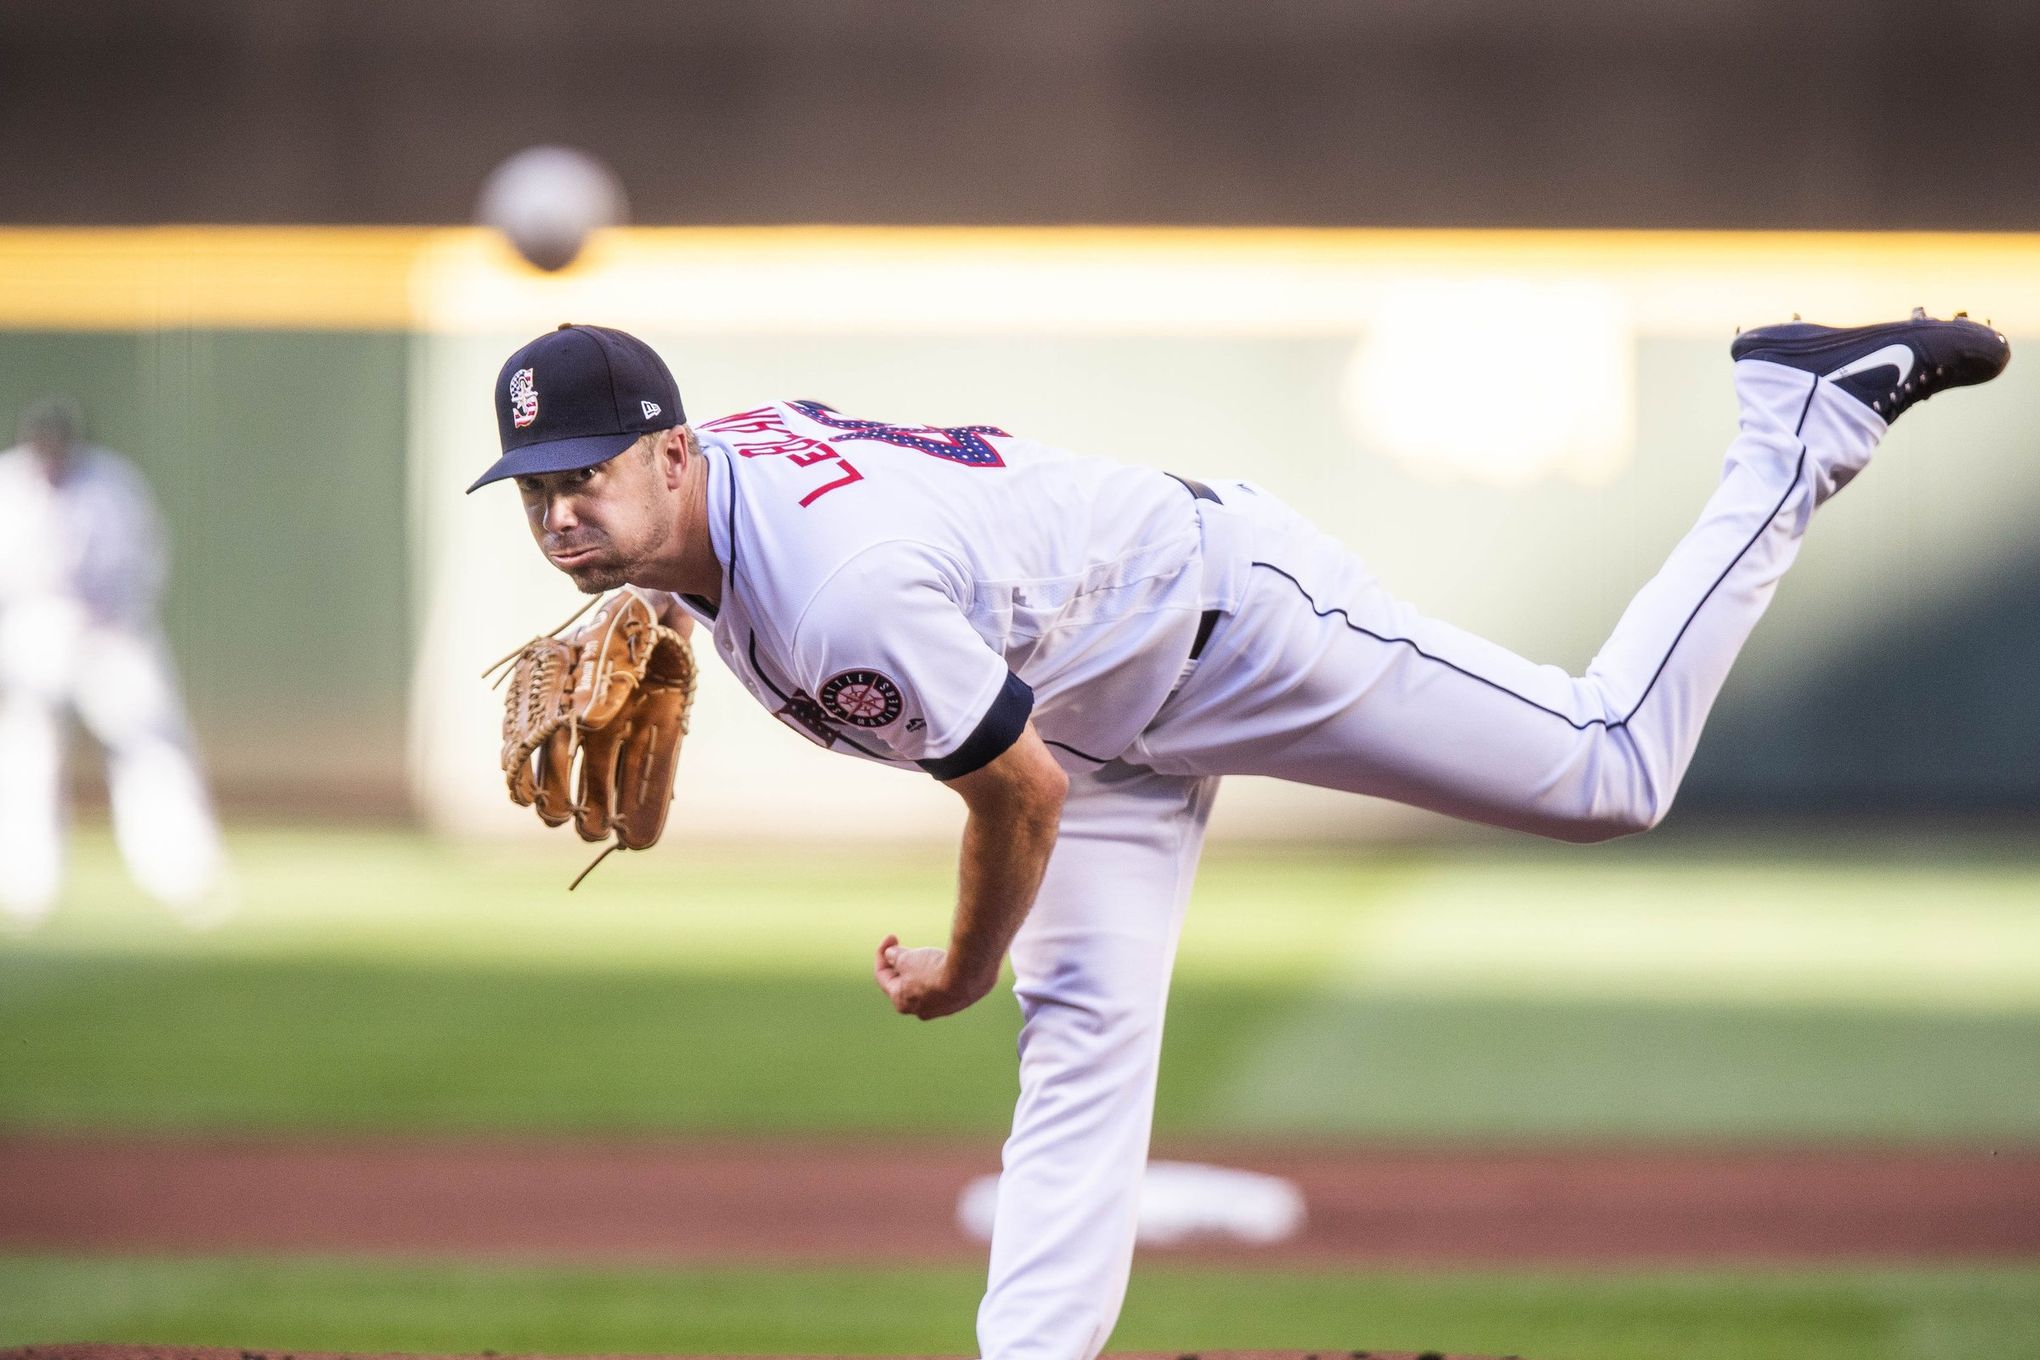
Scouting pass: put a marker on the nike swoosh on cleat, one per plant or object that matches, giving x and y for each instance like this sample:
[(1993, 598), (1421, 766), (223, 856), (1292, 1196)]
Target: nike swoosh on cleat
[(1899, 357)]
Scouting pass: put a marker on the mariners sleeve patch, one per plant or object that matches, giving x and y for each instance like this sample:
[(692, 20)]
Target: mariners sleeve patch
[(862, 698)]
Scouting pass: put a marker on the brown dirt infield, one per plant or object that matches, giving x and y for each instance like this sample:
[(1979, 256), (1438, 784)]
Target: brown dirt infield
[(778, 1200), (130, 1352)]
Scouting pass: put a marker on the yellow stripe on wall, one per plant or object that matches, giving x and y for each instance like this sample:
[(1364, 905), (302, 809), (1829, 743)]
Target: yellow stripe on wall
[(992, 279), (258, 278)]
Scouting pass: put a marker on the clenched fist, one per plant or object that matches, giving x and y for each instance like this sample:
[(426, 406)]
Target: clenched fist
[(920, 982)]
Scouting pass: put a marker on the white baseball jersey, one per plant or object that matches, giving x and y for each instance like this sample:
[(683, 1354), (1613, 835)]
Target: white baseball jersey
[(912, 595), (94, 538)]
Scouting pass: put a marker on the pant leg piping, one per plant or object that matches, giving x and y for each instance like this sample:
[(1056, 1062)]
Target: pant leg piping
[(1623, 721)]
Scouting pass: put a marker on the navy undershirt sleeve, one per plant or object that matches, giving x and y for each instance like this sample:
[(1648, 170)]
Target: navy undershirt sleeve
[(1001, 726)]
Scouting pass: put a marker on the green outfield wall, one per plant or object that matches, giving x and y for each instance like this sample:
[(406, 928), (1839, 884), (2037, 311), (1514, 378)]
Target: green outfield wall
[(278, 459)]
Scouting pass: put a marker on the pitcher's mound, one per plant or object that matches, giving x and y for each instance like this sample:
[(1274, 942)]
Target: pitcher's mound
[(125, 1351)]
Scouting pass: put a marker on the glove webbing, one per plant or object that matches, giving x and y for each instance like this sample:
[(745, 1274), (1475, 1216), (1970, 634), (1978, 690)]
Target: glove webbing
[(518, 650), (504, 664)]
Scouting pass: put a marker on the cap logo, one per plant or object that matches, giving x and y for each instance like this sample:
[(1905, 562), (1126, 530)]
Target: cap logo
[(651, 408), (523, 398)]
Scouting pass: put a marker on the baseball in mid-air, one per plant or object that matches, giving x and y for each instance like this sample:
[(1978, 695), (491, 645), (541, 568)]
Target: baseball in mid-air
[(547, 199)]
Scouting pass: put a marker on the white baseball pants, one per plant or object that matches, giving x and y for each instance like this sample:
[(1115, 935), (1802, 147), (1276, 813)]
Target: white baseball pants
[(54, 659), (1324, 678)]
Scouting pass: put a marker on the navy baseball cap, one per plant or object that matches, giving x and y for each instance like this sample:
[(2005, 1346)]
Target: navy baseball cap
[(578, 396)]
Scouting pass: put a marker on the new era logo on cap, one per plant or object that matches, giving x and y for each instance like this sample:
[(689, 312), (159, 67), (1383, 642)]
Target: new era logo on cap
[(603, 390)]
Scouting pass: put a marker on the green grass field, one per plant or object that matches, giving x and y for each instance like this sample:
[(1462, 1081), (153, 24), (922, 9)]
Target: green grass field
[(383, 982), (379, 1307)]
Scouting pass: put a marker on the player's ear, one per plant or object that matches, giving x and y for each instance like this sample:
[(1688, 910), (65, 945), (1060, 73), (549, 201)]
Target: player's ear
[(672, 451)]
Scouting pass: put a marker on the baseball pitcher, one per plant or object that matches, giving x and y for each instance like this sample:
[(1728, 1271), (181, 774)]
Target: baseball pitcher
[(1081, 650)]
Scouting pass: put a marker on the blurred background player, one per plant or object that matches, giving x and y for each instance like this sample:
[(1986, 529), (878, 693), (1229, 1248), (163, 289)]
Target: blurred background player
[(83, 563)]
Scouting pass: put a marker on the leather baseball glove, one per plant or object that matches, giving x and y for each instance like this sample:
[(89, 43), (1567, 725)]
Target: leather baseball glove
[(616, 693)]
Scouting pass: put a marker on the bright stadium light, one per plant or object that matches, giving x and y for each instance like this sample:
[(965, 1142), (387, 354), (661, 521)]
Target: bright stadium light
[(1496, 380)]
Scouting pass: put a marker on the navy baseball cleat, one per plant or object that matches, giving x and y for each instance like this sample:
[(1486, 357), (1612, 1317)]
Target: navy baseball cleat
[(1888, 367)]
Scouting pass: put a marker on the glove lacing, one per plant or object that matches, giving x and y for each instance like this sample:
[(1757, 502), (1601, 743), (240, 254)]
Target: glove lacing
[(573, 722)]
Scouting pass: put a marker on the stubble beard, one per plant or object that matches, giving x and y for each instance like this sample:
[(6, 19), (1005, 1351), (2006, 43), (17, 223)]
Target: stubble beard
[(619, 564), (598, 580), (615, 568)]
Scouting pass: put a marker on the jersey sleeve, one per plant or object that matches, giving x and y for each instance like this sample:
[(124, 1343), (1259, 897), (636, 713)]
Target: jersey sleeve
[(888, 656)]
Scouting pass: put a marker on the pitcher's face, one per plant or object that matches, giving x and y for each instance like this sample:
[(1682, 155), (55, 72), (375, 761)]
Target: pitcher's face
[(600, 524)]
